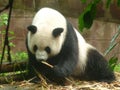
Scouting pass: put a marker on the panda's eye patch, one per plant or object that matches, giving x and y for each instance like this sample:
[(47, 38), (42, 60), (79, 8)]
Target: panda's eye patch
[(35, 48), (47, 49)]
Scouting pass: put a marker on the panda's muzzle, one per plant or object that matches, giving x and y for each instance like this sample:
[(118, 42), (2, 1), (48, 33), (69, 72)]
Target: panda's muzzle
[(41, 55)]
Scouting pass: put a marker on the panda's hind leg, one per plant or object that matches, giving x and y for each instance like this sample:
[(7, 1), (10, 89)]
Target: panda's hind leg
[(97, 68)]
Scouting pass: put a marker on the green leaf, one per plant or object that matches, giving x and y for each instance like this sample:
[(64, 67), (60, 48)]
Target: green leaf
[(108, 3), (11, 32), (110, 48), (115, 36), (11, 38), (12, 44), (3, 32), (118, 3), (113, 62), (87, 17), (81, 22), (83, 1), (112, 42), (3, 19), (117, 68), (97, 1)]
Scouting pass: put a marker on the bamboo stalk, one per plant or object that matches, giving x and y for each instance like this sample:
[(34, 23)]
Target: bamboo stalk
[(52, 67)]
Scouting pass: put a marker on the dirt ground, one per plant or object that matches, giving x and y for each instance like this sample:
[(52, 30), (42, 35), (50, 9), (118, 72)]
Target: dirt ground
[(73, 85)]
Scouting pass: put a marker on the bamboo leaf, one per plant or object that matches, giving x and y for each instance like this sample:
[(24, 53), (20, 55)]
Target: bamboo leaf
[(87, 17), (83, 1), (118, 3), (116, 35), (112, 42), (113, 62), (108, 3), (110, 48)]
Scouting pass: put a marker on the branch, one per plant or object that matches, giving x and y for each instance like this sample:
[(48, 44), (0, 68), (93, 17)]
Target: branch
[(6, 42)]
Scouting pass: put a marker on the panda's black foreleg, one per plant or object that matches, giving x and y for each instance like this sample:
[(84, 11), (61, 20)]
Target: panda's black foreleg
[(44, 70), (33, 63), (65, 66), (30, 58)]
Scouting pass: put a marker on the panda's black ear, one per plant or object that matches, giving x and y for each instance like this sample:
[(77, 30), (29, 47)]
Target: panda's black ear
[(32, 29), (57, 31)]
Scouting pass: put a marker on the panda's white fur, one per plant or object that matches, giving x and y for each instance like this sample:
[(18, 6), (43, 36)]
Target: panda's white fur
[(44, 35), (81, 56), (83, 47)]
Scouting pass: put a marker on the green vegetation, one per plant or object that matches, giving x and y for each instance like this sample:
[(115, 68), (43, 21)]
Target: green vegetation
[(113, 62), (113, 42), (89, 13), (3, 19), (86, 20), (117, 68), (15, 56), (20, 56)]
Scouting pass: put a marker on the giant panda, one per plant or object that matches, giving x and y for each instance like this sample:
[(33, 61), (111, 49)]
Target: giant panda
[(52, 38)]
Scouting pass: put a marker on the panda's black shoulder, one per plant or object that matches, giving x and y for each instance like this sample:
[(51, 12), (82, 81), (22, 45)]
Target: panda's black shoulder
[(69, 48)]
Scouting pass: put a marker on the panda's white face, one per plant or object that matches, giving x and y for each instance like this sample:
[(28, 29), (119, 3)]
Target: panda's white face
[(46, 34), (45, 45)]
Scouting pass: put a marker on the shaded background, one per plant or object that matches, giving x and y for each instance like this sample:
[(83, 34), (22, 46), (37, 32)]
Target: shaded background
[(104, 27)]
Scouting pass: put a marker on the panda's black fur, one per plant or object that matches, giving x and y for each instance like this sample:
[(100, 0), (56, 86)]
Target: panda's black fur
[(65, 62)]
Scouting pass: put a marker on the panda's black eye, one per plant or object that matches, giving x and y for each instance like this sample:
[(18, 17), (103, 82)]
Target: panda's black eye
[(47, 49), (35, 48)]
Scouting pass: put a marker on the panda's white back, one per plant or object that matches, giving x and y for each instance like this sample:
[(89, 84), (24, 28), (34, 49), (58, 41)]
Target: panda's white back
[(83, 47)]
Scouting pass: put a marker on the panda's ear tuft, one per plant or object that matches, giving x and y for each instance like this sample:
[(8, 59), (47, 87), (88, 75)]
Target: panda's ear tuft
[(57, 31), (32, 29)]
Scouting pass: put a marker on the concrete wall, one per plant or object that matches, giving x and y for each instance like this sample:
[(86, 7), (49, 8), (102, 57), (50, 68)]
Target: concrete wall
[(99, 35)]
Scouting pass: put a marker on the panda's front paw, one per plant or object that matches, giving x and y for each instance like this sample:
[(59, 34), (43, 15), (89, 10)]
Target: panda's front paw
[(59, 71)]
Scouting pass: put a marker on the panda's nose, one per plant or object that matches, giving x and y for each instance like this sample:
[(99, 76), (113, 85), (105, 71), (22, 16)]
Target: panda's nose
[(41, 55)]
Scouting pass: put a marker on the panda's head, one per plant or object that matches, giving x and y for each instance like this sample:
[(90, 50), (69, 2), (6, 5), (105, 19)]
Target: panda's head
[(47, 33)]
